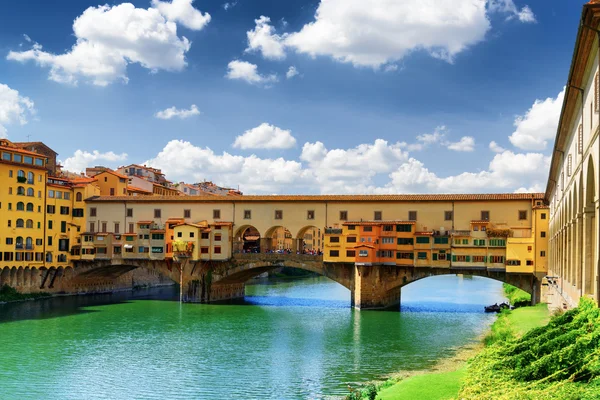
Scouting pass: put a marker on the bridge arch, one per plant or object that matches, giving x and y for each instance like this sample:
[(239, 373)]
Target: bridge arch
[(278, 238), (309, 239), (5, 276), (247, 240)]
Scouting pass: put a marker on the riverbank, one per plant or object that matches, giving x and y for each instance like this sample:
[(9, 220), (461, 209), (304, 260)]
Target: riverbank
[(9, 294), (443, 380)]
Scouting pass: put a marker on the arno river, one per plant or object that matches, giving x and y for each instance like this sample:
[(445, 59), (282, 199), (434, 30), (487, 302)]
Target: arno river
[(291, 340)]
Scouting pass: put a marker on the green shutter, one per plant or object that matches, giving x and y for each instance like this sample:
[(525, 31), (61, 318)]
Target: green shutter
[(435, 256), (412, 256), (454, 258), (485, 259), (468, 258)]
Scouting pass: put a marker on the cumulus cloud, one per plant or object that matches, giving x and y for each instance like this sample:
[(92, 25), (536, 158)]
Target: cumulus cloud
[(265, 136), (109, 38), (466, 143), (173, 112), (14, 108), (183, 12), (263, 39), (248, 72), (538, 126), (228, 5), (496, 148), (291, 72), (83, 159)]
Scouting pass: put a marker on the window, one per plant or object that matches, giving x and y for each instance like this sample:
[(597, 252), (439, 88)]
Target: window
[(129, 212), (130, 230), (64, 210), (412, 215), (475, 228), (479, 242), (351, 227), (334, 239), (367, 229), (217, 249), (405, 256), (49, 209), (30, 207), (529, 248), (93, 212), (129, 238), (479, 259), (529, 262), (343, 215), (49, 241), (377, 215), (216, 214), (39, 242), (204, 235), (404, 228), (104, 227), (543, 234), (421, 255), (63, 226), (20, 206), (203, 250), (542, 253), (30, 178), (117, 249), (440, 240), (247, 214), (157, 213), (405, 241), (387, 240), (351, 239), (497, 259), (20, 223), (513, 263), (543, 216), (363, 253), (9, 223), (217, 238), (92, 227), (570, 165), (334, 253), (497, 243), (9, 240), (192, 235), (278, 214), (447, 215), (63, 244), (187, 213), (580, 139), (439, 257), (20, 191), (58, 195), (310, 214), (350, 253), (422, 240), (78, 212), (143, 249), (157, 249), (485, 215), (522, 215)]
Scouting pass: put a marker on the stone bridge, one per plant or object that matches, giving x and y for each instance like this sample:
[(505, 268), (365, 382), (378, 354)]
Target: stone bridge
[(371, 287)]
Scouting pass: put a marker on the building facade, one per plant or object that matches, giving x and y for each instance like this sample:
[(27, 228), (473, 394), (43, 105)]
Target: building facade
[(573, 184)]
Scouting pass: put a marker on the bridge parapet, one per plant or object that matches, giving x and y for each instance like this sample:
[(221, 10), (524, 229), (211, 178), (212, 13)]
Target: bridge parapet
[(275, 257)]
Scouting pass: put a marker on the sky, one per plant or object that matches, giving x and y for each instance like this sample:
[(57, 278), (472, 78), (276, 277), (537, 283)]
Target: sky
[(295, 96)]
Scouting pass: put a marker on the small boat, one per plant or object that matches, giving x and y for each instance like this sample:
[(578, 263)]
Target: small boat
[(492, 308)]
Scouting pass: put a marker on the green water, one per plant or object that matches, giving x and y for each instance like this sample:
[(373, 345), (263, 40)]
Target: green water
[(292, 340)]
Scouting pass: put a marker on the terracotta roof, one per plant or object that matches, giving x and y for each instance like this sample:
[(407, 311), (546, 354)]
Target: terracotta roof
[(327, 198), (25, 144), (222, 223), (21, 151), (145, 222), (363, 245), (137, 189), (108, 171)]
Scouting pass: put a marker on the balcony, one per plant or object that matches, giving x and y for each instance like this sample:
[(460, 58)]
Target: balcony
[(333, 231), (461, 233)]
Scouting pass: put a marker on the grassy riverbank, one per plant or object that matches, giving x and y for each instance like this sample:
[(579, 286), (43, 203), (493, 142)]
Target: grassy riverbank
[(8, 293)]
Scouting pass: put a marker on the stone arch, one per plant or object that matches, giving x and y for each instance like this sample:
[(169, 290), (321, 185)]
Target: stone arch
[(13, 276), (5, 276), (20, 277), (590, 250), (278, 238), (247, 239), (42, 276), (309, 239), (34, 282)]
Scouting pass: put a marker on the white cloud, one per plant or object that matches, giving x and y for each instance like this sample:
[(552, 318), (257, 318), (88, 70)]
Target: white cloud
[(466, 143), (371, 33), (496, 148), (525, 15), (109, 38), (291, 72), (14, 108), (538, 126), (265, 136), (83, 159), (425, 140), (227, 6), (181, 160), (248, 72), (173, 112), (264, 40), (390, 68), (183, 12)]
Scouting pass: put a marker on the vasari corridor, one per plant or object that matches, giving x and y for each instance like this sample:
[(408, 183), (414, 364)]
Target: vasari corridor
[(328, 199)]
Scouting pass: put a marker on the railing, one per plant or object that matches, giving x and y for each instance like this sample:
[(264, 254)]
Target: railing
[(276, 256), (461, 233), (333, 231)]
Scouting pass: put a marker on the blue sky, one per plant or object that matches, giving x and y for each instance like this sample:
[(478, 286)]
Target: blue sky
[(385, 96)]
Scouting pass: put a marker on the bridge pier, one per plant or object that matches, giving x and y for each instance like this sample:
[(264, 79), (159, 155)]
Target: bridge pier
[(371, 290)]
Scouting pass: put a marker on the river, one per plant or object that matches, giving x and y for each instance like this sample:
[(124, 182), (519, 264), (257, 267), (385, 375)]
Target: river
[(289, 340)]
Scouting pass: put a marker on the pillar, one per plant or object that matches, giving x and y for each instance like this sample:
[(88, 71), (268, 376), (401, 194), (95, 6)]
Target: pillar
[(588, 268), (536, 291), (370, 289)]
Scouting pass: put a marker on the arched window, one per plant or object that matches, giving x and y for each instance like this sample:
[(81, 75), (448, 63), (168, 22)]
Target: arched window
[(21, 174), (29, 244), (29, 224), (19, 242), (21, 191), (48, 257), (30, 178), (30, 192), (79, 197), (30, 207), (20, 206), (20, 223)]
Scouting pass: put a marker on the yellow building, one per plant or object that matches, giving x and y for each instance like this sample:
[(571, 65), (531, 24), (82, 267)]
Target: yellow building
[(111, 183), (23, 177)]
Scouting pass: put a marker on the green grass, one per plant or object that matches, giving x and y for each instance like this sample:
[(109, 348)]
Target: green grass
[(516, 296), (525, 319), (434, 386)]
